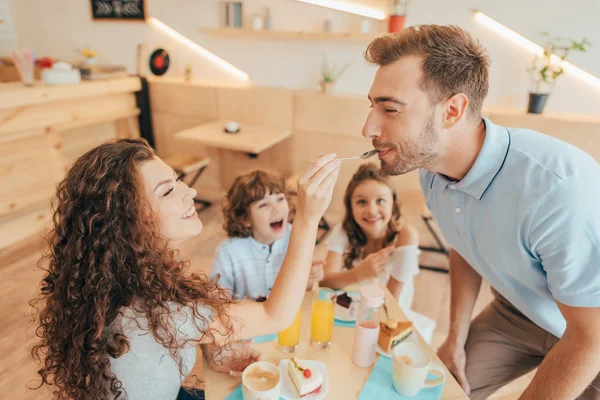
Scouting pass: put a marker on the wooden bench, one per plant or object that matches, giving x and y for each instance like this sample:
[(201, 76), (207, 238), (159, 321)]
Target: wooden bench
[(185, 165)]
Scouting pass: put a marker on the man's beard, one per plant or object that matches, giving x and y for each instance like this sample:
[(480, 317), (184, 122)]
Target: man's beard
[(416, 153)]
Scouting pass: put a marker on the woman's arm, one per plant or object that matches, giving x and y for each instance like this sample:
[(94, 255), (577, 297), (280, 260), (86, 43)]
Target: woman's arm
[(251, 319), (336, 276)]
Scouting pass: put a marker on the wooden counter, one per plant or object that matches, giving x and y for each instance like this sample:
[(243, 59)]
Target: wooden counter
[(43, 129)]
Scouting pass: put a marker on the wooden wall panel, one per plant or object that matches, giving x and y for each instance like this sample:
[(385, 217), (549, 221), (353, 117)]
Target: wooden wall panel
[(334, 114), (257, 105), (184, 100)]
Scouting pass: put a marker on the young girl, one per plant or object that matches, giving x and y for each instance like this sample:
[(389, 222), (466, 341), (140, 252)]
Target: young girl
[(374, 242), (120, 316), (256, 213)]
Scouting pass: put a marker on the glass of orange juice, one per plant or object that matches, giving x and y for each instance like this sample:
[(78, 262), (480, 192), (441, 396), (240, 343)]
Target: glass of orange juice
[(321, 326), (289, 338)]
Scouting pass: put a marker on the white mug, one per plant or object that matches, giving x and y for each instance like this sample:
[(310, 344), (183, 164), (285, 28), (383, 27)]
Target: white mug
[(411, 364), (253, 393)]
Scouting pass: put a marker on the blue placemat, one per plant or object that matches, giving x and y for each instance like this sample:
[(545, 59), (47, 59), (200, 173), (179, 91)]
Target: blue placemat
[(265, 338), (344, 324), (236, 394), (379, 385)]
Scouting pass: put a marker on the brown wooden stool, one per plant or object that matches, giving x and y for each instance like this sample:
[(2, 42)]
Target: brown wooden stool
[(440, 248), (185, 165)]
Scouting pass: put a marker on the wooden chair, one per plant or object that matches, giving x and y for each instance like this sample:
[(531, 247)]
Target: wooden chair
[(185, 165), (292, 188), (427, 217)]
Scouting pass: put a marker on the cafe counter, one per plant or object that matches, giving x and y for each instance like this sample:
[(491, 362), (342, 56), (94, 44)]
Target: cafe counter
[(43, 129)]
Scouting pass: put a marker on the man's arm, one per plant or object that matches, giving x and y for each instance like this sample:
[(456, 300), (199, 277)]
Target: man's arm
[(465, 284), (574, 361)]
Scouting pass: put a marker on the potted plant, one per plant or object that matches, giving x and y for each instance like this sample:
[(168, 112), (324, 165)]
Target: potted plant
[(330, 74), (89, 56), (547, 67)]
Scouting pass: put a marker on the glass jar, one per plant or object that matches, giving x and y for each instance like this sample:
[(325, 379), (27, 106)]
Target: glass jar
[(367, 325)]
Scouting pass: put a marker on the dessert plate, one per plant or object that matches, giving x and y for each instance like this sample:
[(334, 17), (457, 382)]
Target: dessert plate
[(342, 313), (411, 338), (288, 390)]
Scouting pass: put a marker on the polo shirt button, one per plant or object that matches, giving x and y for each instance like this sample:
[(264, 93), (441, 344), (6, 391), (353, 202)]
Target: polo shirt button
[(457, 210), (452, 187)]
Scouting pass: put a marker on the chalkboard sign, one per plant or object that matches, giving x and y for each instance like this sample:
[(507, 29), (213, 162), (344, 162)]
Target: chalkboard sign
[(121, 10)]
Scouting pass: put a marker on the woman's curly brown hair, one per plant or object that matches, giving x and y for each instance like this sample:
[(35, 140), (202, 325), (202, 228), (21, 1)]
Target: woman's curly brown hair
[(245, 190), (356, 236), (105, 253)]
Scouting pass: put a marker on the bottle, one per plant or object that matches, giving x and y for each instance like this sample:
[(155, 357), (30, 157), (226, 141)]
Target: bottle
[(367, 325), (267, 19), (257, 22), (397, 16)]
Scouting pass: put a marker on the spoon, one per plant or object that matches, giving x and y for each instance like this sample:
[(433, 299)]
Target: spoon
[(365, 155)]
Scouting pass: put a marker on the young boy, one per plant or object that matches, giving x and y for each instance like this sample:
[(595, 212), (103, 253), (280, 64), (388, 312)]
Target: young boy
[(256, 214)]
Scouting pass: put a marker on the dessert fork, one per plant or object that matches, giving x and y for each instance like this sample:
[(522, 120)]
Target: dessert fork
[(365, 155)]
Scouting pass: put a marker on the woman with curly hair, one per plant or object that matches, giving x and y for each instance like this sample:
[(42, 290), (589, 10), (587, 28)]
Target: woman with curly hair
[(120, 317)]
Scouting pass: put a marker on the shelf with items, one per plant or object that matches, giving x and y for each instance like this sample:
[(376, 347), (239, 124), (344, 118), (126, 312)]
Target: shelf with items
[(244, 33)]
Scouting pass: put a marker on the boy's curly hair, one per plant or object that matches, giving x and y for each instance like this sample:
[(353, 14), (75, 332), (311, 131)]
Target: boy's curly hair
[(245, 190)]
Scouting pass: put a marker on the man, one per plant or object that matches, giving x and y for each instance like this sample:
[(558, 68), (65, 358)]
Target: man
[(519, 209)]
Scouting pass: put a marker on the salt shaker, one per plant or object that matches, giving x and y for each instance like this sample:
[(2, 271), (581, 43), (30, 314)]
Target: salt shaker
[(367, 325)]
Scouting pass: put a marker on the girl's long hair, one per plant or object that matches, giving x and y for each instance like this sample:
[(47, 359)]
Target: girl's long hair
[(105, 252), (356, 236)]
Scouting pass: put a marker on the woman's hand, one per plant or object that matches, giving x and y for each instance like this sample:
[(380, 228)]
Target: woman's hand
[(374, 264), (315, 188), (232, 358)]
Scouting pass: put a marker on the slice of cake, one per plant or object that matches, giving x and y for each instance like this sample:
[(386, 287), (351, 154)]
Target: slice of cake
[(393, 332), (305, 380), (344, 300)]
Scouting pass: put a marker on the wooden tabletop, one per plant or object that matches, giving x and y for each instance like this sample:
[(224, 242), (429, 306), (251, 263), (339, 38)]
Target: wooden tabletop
[(251, 138), (346, 380)]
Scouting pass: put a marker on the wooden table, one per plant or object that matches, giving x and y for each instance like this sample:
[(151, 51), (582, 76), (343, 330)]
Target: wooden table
[(238, 152), (346, 380), (251, 139)]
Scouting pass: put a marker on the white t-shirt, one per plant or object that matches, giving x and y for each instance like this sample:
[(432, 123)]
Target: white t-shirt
[(148, 371), (403, 263)]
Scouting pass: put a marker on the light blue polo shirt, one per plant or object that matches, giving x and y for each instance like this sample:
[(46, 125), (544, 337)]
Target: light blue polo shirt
[(247, 267), (527, 218)]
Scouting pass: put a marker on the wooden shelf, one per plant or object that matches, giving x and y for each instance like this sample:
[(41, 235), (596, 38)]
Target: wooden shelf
[(244, 33)]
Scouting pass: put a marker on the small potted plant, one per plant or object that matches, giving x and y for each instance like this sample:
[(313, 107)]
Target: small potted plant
[(330, 74), (188, 72), (547, 68), (89, 56)]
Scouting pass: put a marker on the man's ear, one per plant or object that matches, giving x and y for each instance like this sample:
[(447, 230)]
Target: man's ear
[(455, 109)]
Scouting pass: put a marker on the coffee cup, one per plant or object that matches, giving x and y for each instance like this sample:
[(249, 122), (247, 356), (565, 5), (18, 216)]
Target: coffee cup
[(261, 381), (411, 363)]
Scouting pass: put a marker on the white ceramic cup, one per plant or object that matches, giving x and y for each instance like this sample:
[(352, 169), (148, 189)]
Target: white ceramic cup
[(251, 393), (409, 377)]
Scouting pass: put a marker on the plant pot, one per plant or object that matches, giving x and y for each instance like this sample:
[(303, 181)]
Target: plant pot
[(537, 101), (326, 87)]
